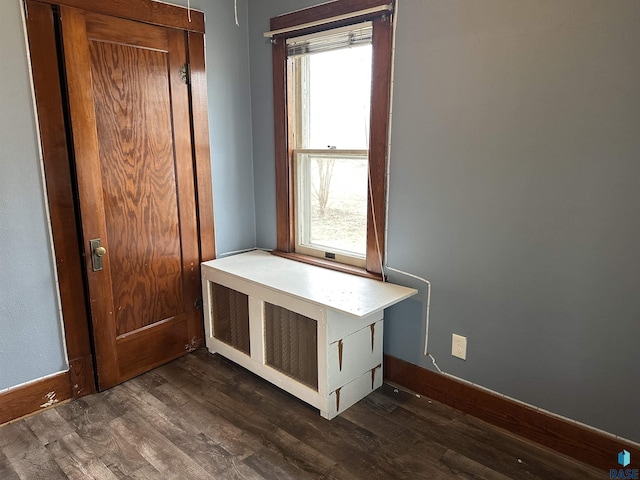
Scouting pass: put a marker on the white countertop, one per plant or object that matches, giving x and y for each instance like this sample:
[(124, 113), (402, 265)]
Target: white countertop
[(339, 291)]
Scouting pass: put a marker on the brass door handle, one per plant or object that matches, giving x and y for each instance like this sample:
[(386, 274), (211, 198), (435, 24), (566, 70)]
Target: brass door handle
[(97, 252)]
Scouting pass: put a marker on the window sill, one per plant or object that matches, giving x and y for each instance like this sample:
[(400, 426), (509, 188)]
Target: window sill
[(320, 262)]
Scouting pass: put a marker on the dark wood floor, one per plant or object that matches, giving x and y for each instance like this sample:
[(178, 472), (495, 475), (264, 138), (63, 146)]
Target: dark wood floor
[(203, 417)]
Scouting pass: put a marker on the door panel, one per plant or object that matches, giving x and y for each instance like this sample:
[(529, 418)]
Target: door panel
[(130, 88), (131, 128)]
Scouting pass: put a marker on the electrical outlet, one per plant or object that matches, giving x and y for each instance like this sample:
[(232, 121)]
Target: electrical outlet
[(459, 346)]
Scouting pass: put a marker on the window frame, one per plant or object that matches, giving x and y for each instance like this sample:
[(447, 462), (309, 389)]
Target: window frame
[(382, 22)]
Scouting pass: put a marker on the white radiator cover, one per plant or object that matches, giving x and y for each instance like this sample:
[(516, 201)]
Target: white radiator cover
[(340, 313)]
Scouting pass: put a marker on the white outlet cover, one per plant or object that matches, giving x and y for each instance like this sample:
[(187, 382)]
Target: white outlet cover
[(459, 346)]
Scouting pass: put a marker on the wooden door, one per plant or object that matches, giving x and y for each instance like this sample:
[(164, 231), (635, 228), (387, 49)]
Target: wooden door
[(131, 129)]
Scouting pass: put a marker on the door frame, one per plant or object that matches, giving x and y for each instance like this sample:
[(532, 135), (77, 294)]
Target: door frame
[(58, 161)]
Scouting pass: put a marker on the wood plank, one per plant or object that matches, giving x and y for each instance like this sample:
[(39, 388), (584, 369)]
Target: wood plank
[(88, 413), (103, 28), (479, 445), (26, 456), (20, 401), (49, 426), (307, 428), (429, 430), (341, 292), (561, 435), (86, 147), (201, 150), (368, 417), (6, 470), (545, 464), (494, 456), (437, 413), (148, 11), (158, 450), (379, 142), (204, 417), (91, 419), (269, 465), (323, 11), (62, 208), (187, 436), (240, 471), (82, 373), (463, 466), (274, 438), (144, 473), (331, 265), (148, 348), (241, 411), (233, 439), (77, 460), (284, 173), (186, 188)]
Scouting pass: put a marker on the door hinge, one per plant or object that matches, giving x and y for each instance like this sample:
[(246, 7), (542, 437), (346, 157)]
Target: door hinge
[(198, 304), (185, 74)]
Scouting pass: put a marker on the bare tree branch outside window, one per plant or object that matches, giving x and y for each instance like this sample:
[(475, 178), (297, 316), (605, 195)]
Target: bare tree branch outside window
[(321, 191)]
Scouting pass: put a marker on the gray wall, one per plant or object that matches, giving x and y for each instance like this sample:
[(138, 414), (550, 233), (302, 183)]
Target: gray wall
[(260, 12), (229, 122), (514, 173), (31, 344)]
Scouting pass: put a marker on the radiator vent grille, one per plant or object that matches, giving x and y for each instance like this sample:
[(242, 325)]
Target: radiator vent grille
[(230, 312), (291, 344)]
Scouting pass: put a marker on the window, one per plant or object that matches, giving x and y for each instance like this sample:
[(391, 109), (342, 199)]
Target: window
[(330, 75), (332, 68)]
